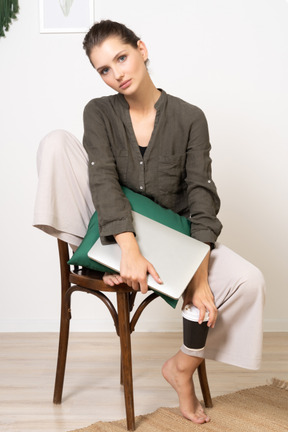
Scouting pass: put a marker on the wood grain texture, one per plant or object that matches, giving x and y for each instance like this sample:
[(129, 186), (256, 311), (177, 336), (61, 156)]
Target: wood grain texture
[(92, 391)]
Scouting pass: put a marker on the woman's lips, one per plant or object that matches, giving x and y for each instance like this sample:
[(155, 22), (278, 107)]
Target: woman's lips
[(125, 84)]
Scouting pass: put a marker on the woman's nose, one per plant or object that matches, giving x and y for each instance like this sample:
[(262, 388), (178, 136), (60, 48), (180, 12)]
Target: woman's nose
[(118, 73)]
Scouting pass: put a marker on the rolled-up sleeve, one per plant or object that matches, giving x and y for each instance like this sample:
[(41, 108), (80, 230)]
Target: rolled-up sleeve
[(203, 199), (113, 208)]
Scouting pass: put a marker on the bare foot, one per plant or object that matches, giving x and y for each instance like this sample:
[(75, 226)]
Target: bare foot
[(180, 378), (112, 279)]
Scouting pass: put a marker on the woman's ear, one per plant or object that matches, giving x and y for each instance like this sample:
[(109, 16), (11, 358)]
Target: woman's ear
[(143, 50)]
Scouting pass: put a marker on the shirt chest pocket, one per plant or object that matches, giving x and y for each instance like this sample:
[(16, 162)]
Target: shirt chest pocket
[(172, 173)]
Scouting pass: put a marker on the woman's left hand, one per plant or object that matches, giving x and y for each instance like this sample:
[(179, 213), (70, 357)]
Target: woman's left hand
[(200, 295)]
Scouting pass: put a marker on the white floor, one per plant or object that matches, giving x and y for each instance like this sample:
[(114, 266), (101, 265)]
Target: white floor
[(92, 391)]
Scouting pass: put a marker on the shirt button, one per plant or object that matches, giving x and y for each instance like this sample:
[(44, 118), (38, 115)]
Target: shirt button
[(141, 163), (92, 163), (209, 181), (141, 187)]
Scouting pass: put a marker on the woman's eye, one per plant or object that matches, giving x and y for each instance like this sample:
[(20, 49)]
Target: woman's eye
[(122, 58), (104, 71)]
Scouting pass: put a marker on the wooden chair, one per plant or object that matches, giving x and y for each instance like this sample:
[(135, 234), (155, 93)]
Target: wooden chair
[(84, 280)]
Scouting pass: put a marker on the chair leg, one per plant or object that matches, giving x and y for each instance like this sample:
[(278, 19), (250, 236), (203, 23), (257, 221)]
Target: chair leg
[(204, 384), (126, 357), (65, 321), (62, 356), (121, 370)]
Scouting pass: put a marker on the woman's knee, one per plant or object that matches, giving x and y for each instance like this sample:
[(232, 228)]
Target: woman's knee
[(55, 141), (56, 144)]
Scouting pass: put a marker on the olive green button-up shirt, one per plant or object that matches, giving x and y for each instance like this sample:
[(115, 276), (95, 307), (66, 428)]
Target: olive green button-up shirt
[(175, 170)]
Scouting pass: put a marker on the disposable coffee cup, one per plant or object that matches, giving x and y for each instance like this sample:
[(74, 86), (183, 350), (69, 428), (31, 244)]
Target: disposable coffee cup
[(194, 334)]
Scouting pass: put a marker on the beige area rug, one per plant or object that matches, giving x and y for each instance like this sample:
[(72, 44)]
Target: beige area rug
[(259, 409)]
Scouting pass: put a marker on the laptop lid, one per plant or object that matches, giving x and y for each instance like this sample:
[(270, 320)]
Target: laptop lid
[(175, 256)]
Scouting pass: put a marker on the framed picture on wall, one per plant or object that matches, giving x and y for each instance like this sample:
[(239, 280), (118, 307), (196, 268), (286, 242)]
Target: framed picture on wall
[(66, 16)]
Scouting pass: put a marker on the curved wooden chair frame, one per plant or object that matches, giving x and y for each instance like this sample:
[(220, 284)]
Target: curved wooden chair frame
[(84, 280)]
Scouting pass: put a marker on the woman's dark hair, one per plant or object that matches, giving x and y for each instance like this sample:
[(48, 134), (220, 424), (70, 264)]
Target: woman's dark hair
[(104, 29)]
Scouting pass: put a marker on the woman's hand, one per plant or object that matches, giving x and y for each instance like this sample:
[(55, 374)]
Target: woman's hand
[(200, 295), (112, 279), (134, 267)]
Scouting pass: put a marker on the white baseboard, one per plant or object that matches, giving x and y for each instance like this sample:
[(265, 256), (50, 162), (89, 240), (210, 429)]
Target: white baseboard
[(275, 325), (78, 325), (106, 325)]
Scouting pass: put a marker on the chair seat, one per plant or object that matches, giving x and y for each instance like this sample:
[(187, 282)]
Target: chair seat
[(93, 279)]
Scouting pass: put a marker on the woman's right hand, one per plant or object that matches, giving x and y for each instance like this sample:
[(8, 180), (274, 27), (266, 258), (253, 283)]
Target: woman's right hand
[(134, 267)]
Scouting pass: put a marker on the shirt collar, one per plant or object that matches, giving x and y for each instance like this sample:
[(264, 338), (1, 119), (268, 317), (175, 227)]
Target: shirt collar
[(160, 102)]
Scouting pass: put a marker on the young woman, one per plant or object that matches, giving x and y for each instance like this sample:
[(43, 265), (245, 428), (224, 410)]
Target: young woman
[(157, 145)]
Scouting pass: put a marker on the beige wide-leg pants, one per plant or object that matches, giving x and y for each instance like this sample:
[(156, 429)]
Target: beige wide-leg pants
[(64, 207)]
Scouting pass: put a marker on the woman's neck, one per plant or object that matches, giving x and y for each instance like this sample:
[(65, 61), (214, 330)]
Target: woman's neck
[(146, 97)]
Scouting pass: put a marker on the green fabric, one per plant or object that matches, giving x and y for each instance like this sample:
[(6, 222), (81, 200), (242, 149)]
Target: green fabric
[(139, 204), (8, 11)]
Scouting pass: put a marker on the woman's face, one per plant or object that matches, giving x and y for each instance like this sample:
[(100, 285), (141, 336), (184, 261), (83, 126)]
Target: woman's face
[(121, 66)]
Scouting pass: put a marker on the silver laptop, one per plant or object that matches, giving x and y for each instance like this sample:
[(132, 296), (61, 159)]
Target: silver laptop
[(174, 255)]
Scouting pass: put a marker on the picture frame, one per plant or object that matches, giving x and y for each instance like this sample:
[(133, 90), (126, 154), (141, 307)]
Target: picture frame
[(66, 16)]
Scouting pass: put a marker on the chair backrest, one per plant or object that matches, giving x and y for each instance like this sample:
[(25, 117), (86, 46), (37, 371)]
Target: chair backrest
[(63, 250)]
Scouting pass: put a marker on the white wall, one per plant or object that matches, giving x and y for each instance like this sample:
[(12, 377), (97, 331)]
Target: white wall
[(228, 57)]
